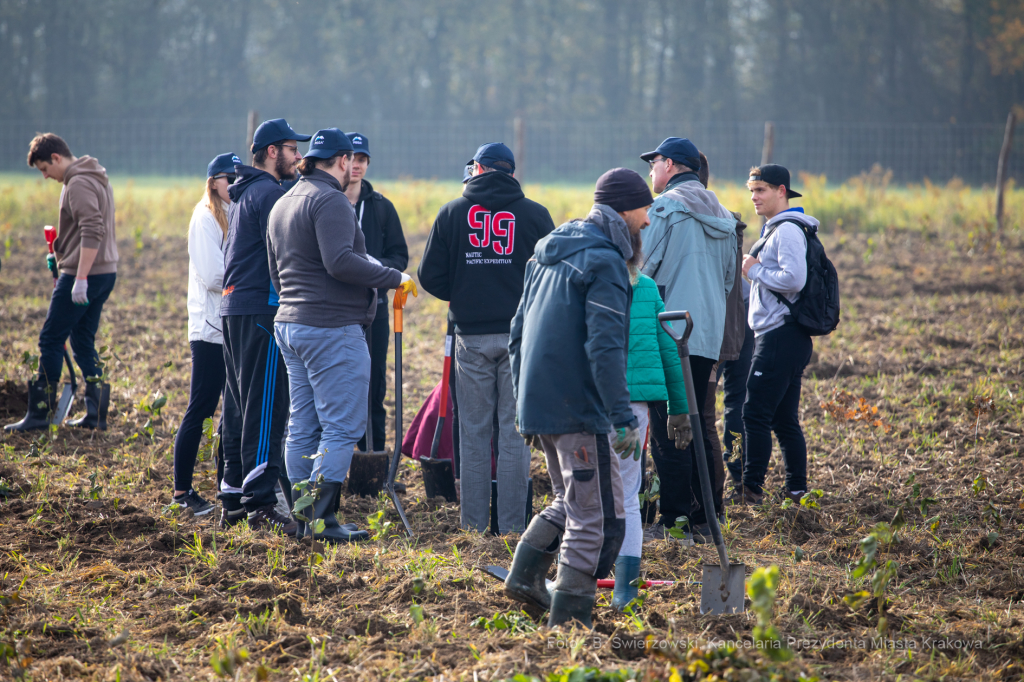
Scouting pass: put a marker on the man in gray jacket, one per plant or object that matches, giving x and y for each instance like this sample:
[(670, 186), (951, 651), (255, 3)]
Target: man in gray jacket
[(326, 284), (691, 247)]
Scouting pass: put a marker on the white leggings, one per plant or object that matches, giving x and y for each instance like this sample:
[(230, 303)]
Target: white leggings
[(629, 469)]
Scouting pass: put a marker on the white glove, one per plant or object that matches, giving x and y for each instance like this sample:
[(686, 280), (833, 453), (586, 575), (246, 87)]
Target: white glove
[(408, 285), (79, 292), (405, 278), (372, 259)]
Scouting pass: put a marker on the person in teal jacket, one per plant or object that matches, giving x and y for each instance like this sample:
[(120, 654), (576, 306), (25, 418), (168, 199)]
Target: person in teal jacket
[(653, 373)]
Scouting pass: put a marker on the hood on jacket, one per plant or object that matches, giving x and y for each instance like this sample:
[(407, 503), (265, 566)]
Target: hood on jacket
[(613, 227), (247, 175), (794, 215), (570, 238), (701, 204), (493, 190), (86, 166)]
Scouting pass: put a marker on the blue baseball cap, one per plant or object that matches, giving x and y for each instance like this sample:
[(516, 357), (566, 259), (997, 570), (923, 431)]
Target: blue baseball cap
[(272, 131), (223, 163), (492, 152), (467, 173), (679, 149), (328, 142), (359, 143)]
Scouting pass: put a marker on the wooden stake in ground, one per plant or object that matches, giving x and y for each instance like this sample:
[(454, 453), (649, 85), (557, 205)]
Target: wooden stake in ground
[(1003, 169), (519, 143), (252, 122), (769, 143)]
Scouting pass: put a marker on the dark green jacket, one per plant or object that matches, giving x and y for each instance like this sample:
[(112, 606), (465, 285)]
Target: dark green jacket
[(654, 371)]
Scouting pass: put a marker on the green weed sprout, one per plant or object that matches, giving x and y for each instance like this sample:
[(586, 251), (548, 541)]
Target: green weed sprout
[(761, 588)]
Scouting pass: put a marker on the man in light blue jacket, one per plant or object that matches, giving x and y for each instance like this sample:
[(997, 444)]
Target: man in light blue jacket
[(691, 247)]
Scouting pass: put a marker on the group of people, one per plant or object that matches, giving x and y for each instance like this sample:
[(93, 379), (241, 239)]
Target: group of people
[(558, 342)]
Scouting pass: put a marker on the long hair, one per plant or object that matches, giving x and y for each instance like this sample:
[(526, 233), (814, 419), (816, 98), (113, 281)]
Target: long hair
[(213, 202)]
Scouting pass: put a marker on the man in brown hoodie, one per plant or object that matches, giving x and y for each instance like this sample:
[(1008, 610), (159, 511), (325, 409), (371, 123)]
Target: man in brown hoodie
[(84, 265)]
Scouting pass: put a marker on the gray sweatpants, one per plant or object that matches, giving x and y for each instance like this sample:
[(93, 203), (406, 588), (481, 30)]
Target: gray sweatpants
[(588, 503), (484, 378)]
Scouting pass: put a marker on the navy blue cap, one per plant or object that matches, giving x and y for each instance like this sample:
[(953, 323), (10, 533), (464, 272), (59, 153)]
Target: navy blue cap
[(774, 174), (359, 143), (679, 149), (492, 152), (223, 163), (467, 173), (274, 130), (328, 142)]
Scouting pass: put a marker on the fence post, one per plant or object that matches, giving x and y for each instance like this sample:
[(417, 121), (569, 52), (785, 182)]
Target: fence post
[(1002, 170), (769, 143), (252, 122), (519, 145)]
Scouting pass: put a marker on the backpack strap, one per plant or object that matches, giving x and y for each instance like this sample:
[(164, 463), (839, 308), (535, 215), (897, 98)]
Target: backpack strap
[(755, 250)]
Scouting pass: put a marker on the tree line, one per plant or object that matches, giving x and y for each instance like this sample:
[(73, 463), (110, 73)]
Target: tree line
[(793, 60)]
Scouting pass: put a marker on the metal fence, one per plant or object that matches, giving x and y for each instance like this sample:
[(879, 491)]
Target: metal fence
[(549, 151)]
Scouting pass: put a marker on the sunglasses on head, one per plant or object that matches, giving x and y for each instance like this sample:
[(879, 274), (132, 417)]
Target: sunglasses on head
[(230, 177)]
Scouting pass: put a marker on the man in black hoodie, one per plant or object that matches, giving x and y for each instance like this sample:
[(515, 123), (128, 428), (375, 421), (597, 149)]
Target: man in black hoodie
[(475, 258), (385, 243), (256, 395)]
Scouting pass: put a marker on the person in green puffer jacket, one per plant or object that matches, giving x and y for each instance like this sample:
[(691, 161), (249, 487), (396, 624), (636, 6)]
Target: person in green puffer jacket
[(653, 373)]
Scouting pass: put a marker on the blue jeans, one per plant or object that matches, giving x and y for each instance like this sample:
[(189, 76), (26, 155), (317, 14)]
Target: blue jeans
[(64, 319), (329, 381)]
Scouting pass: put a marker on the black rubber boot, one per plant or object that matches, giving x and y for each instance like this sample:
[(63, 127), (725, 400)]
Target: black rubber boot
[(97, 399), (526, 581), (573, 597), (42, 400), (327, 494)]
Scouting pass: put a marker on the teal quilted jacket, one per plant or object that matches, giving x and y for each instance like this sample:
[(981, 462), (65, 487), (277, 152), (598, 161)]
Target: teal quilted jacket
[(653, 371)]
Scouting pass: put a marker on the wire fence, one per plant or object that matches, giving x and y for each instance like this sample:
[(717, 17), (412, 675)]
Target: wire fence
[(549, 151)]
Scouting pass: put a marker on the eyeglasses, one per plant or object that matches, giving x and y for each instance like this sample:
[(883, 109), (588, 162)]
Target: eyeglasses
[(230, 177), (293, 147), (654, 161)]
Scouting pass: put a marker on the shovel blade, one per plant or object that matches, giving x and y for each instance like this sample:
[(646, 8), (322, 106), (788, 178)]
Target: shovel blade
[(438, 478), (713, 600), (60, 413)]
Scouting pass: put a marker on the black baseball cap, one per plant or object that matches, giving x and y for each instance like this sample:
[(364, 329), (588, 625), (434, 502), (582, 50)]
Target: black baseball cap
[(774, 174), (360, 144), (328, 142), (273, 131), (492, 152), (679, 149)]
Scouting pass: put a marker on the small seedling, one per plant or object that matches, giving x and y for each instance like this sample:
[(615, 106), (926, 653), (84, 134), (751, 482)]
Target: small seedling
[(761, 588)]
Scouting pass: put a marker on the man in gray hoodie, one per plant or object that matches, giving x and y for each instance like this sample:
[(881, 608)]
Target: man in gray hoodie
[(84, 266), (327, 288), (781, 350)]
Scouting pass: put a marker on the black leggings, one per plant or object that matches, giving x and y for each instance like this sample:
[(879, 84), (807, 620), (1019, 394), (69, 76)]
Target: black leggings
[(204, 394)]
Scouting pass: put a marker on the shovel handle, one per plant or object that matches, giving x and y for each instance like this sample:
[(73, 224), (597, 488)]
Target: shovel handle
[(671, 316)]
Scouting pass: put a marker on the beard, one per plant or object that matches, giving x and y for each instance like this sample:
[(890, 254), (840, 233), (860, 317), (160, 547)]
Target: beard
[(636, 260), (347, 179), (283, 169)]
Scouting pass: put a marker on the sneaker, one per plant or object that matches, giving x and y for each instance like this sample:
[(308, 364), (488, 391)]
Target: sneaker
[(231, 517), (269, 518), (192, 500), (795, 496), (658, 531)]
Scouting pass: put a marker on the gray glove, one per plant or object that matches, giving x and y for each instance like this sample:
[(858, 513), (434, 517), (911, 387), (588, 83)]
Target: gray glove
[(679, 430)]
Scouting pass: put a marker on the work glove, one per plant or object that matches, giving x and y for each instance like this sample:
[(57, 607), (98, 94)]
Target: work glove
[(408, 285), (79, 293), (532, 439), (51, 264), (628, 441), (679, 430)]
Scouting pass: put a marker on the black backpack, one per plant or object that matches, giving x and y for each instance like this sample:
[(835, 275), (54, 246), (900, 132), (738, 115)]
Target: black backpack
[(817, 310)]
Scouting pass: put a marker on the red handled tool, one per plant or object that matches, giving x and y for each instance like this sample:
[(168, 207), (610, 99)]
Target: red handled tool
[(438, 474), (398, 304)]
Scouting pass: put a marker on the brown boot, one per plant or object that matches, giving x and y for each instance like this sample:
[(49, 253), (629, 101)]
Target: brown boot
[(744, 495), (796, 497)]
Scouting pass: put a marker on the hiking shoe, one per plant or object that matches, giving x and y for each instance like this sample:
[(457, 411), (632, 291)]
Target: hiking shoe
[(658, 531), (796, 497), (192, 500), (744, 495), (231, 517), (269, 518)]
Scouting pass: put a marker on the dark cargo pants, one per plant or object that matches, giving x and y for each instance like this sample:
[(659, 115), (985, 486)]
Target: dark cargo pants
[(588, 503)]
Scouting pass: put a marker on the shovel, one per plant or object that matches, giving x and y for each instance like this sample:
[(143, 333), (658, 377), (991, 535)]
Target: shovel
[(438, 476), (722, 586), (67, 394), (398, 304)]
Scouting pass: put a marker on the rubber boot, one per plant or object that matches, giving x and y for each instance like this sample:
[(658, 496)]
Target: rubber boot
[(91, 418), (301, 530), (627, 569), (323, 508), (42, 400), (526, 581), (572, 598)]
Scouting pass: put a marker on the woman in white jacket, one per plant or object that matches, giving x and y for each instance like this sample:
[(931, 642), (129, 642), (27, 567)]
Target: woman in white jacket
[(206, 232)]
